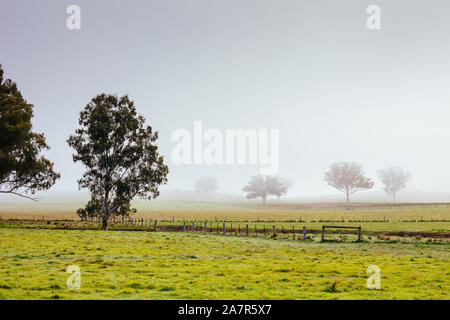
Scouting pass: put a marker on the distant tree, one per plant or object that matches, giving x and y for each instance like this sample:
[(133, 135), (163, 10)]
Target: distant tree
[(285, 184), (278, 186), (23, 170), (394, 179), (257, 187), (275, 187), (120, 155), (264, 186), (206, 185), (347, 177)]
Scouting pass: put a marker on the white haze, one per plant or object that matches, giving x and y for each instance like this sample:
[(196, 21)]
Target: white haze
[(335, 90)]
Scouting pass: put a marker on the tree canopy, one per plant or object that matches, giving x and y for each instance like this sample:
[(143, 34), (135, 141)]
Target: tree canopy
[(348, 177), (394, 179), (23, 169), (120, 156), (263, 186)]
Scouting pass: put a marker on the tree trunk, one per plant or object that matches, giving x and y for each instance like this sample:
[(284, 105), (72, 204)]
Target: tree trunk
[(104, 221), (106, 212), (264, 200), (348, 197)]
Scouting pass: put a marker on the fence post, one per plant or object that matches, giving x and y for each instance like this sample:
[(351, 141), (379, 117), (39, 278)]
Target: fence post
[(323, 233), (293, 233), (184, 227), (274, 232), (224, 230), (304, 233), (246, 230), (156, 222), (193, 226), (206, 226), (359, 234)]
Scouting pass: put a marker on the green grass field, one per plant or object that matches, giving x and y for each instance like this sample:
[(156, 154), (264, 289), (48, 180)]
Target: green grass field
[(170, 265), (129, 262)]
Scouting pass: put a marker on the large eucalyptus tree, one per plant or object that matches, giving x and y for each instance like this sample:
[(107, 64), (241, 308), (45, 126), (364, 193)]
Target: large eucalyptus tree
[(120, 156)]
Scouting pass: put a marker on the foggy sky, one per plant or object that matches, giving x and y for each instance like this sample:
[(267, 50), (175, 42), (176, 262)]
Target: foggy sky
[(335, 90)]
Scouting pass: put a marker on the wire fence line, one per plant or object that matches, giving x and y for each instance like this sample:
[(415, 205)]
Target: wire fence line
[(300, 231), (272, 231)]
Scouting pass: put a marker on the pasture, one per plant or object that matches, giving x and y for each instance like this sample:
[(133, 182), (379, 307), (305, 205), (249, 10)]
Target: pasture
[(243, 211), (163, 265), (135, 260)]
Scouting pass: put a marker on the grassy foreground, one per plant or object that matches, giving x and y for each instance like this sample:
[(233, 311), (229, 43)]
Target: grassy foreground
[(147, 265)]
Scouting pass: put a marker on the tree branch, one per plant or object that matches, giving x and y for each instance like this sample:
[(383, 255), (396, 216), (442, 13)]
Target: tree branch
[(20, 195)]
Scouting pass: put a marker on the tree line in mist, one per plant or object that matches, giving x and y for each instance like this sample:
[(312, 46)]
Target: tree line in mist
[(347, 177)]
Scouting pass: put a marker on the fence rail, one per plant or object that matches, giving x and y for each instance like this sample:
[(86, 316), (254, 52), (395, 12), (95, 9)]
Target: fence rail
[(243, 228)]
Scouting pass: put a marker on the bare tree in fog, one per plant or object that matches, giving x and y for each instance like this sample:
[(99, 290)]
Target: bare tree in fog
[(257, 188), (347, 177), (394, 179), (206, 185), (279, 186), (264, 186)]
